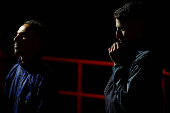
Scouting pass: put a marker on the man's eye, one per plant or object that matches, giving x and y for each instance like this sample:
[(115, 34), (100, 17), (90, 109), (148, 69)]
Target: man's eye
[(122, 29), (23, 34)]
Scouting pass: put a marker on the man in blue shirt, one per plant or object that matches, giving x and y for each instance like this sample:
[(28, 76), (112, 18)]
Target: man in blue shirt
[(30, 84), (136, 82)]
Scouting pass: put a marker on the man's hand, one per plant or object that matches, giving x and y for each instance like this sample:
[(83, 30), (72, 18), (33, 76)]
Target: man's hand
[(117, 52)]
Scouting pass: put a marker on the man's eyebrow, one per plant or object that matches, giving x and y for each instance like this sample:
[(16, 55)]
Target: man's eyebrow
[(21, 32)]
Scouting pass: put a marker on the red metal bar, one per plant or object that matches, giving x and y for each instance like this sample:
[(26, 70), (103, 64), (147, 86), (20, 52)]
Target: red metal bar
[(90, 62), (68, 93), (79, 77), (79, 87), (166, 73), (57, 59), (97, 96), (78, 104), (80, 62), (92, 95)]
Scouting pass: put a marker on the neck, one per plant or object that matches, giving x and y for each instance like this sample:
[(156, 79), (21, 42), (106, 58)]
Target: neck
[(27, 57)]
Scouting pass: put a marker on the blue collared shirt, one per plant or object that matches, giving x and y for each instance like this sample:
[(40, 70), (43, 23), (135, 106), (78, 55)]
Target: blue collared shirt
[(31, 87)]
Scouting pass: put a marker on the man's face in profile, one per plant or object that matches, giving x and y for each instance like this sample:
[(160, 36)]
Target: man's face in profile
[(26, 40), (128, 31)]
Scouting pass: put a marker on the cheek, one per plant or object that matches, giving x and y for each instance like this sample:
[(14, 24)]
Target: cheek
[(123, 33), (130, 33), (27, 45)]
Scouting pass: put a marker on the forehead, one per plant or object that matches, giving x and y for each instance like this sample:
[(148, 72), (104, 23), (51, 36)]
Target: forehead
[(28, 31), (119, 23), (23, 28)]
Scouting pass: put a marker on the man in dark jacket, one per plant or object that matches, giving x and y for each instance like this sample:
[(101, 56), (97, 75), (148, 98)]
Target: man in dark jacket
[(136, 83), (30, 84)]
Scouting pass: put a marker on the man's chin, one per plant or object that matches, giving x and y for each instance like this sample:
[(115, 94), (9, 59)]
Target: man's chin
[(17, 52)]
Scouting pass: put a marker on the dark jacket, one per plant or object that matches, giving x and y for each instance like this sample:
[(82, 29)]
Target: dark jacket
[(135, 86)]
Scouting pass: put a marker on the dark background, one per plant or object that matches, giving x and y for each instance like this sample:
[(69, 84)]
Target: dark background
[(79, 29)]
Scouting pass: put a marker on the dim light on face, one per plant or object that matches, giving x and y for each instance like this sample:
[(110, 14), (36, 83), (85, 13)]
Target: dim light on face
[(25, 41), (128, 31)]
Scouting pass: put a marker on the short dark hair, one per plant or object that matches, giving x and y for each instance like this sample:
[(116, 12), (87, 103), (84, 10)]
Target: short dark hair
[(130, 12), (40, 29)]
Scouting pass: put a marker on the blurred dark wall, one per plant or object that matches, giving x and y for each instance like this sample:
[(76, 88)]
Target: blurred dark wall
[(82, 30), (79, 29)]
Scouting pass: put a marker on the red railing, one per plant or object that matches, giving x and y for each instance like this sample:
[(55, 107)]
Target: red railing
[(79, 94)]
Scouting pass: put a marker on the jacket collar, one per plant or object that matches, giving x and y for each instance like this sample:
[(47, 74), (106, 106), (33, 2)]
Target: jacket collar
[(33, 65)]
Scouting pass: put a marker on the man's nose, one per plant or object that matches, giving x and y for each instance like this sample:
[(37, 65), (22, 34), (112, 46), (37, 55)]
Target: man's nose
[(119, 34), (15, 38)]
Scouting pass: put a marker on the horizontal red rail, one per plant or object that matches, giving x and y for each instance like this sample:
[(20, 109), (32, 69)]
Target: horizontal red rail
[(80, 62), (90, 62), (81, 94)]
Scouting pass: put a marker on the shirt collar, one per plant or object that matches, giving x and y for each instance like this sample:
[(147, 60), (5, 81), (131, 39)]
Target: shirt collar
[(33, 65)]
